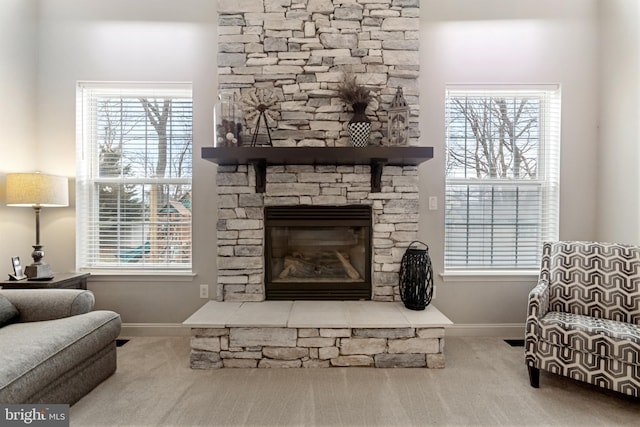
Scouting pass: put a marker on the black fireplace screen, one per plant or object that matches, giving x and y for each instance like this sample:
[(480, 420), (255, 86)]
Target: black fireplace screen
[(318, 252)]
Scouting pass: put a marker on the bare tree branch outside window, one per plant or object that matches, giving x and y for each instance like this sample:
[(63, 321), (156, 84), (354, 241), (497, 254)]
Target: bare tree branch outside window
[(493, 137)]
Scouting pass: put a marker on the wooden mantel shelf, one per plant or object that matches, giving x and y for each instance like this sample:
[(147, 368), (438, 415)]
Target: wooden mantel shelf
[(261, 157)]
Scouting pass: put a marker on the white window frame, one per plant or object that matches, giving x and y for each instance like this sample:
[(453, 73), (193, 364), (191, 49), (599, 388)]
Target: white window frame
[(87, 177), (547, 178)]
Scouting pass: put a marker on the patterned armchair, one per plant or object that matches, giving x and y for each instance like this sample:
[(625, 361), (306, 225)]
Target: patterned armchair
[(584, 315)]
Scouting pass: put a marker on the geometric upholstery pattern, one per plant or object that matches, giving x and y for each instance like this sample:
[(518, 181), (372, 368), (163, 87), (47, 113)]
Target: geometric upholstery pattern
[(605, 338), (590, 368), (583, 317), (594, 279)]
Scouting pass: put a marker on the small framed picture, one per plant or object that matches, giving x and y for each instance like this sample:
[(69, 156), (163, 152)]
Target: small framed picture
[(18, 274)]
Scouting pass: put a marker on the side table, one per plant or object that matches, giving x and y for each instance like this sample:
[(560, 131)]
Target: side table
[(60, 281)]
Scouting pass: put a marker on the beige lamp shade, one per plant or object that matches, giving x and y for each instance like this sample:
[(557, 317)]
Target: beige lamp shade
[(36, 189)]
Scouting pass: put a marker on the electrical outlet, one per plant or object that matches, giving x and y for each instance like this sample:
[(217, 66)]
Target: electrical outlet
[(433, 203), (204, 291)]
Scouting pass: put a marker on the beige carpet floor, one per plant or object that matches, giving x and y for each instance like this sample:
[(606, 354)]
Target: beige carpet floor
[(484, 384)]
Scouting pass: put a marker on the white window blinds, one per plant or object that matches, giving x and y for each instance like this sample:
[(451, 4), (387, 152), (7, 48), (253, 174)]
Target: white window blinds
[(134, 168), (503, 151)]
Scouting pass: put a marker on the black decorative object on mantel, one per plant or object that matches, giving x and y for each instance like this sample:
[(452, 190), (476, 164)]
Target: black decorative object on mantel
[(254, 139), (358, 96), (359, 125), (257, 108), (416, 277)]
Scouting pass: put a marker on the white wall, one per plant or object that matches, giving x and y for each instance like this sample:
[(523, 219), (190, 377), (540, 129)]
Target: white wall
[(619, 150), (18, 32), (502, 41)]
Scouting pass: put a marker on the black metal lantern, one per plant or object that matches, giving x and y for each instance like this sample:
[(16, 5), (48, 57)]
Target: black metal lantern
[(416, 277)]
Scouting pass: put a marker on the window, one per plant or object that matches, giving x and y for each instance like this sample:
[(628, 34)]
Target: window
[(134, 166), (503, 150)]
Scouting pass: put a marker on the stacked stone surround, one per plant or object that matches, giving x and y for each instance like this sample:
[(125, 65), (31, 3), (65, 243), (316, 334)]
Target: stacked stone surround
[(295, 53), (241, 233), (298, 51), (317, 347)]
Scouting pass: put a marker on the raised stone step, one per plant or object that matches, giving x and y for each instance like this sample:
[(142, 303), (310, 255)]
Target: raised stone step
[(312, 334), (315, 314)]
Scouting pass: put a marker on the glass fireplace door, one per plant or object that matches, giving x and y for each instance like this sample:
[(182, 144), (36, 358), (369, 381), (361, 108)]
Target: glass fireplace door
[(324, 258)]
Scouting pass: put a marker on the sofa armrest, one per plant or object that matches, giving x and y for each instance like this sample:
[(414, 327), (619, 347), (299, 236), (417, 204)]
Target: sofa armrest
[(538, 300), (48, 304), (537, 308)]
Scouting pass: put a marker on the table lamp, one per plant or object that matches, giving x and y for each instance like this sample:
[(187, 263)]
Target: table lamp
[(37, 190)]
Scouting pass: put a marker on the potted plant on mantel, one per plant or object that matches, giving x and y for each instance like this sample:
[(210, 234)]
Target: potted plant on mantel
[(358, 96)]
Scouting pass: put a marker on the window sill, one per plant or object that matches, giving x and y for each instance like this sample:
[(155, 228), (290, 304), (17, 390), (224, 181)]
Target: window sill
[(141, 276), (490, 276)]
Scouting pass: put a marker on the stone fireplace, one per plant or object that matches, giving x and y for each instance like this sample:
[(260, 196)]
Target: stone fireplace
[(242, 245), (281, 231)]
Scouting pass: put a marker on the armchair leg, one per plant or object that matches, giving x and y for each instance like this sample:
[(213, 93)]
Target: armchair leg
[(534, 376)]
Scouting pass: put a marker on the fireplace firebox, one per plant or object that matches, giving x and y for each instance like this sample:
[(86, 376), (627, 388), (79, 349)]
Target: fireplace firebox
[(318, 252)]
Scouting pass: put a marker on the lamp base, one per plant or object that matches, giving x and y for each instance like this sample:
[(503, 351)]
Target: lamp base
[(41, 270)]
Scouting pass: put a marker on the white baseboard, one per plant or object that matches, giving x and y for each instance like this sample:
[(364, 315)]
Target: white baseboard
[(506, 330), (154, 330)]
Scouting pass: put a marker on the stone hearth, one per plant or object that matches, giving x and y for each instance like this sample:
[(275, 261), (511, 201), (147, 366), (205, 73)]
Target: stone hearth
[(316, 334)]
